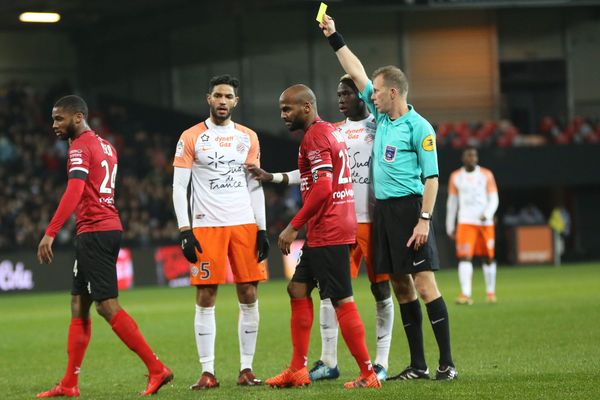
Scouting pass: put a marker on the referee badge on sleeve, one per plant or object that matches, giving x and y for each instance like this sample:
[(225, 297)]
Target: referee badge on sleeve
[(390, 153), (428, 143)]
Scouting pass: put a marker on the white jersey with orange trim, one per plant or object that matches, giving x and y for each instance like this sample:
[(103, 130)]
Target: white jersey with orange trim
[(477, 196), (216, 155), (359, 136)]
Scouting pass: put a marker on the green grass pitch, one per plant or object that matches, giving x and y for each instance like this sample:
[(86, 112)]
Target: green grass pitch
[(541, 341)]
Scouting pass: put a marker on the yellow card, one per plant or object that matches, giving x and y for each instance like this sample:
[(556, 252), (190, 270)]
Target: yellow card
[(321, 13)]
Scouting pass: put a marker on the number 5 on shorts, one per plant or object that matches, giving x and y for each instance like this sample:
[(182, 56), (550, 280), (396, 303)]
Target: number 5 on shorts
[(205, 272)]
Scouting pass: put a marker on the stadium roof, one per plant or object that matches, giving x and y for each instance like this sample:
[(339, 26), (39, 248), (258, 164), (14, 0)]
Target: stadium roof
[(78, 14)]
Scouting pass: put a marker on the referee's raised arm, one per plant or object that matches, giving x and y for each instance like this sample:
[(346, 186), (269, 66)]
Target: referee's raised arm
[(349, 62)]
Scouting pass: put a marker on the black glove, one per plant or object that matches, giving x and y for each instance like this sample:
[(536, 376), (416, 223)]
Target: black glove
[(189, 244), (262, 245)]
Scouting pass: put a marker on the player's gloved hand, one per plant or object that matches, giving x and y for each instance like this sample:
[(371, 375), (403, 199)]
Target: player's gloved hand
[(262, 245), (189, 244)]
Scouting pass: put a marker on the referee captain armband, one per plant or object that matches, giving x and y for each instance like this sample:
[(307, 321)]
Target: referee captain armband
[(336, 41)]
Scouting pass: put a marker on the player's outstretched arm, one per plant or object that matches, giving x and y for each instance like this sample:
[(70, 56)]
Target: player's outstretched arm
[(285, 178), (349, 62)]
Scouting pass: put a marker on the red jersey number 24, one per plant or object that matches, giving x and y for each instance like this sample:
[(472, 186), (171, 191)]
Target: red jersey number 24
[(108, 183)]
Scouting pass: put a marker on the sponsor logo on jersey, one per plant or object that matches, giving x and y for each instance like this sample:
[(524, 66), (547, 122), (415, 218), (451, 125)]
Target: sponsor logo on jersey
[(205, 138), (75, 157), (354, 134), (314, 156), (428, 143), (216, 161), (224, 141), (107, 200), (179, 148), (342, 194), (390, 153), (369, 137)]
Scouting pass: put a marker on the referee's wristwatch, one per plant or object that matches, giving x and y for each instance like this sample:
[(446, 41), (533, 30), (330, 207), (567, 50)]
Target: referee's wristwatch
[(425, 215)]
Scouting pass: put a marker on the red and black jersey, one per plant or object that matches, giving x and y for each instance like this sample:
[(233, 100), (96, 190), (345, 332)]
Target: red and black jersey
[(94, 160), (323, 149)]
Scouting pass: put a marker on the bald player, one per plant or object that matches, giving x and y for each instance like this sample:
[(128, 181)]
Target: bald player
[(358, 130), (328, 211)]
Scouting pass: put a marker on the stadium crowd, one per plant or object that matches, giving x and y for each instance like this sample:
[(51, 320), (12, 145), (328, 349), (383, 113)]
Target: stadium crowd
[(32, 170), (551, 130), (32, 166)]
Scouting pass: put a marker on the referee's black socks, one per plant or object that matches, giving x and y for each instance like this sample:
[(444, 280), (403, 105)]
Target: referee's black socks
[(412, 319), (438, 316)]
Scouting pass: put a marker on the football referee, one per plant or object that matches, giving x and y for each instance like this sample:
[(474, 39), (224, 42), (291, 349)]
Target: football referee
[(404, 156)]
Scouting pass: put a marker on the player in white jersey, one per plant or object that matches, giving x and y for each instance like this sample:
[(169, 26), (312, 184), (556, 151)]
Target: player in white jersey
[(228, 221), (358, 130), (472, 191)]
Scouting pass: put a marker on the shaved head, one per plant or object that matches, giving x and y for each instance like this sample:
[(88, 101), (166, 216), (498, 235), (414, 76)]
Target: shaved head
[(299, 94), (298, 106)]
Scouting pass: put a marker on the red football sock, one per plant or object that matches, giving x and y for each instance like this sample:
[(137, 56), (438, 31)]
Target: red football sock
[(80, 332), (301, 322), (128, 331), (353, 332)]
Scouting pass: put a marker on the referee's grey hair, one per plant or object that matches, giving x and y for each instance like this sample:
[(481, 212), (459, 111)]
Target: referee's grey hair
[(393, 77)]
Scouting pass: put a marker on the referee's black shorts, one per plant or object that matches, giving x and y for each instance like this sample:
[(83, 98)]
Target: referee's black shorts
[(393, 223), (95, 269), (327, 268)]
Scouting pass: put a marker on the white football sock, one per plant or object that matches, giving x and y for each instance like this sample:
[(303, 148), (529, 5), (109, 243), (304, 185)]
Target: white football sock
[(247, 333), (489, 274), (465, 276), (329, 333), (205, 329), (383, 329)]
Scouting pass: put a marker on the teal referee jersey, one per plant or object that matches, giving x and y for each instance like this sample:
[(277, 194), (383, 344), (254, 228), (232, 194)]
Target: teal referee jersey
[(404, 152)]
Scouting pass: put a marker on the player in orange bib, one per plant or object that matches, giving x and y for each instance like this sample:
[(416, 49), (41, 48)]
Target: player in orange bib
[(228, 222), (472, 192)]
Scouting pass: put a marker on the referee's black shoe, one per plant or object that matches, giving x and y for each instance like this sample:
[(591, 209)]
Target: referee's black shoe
[(446, 373), (410, 373)]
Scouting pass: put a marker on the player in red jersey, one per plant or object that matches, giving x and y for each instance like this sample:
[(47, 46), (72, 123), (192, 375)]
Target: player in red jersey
[(328, 211), (92, 169)]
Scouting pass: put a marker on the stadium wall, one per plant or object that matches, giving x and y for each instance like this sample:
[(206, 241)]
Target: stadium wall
[(22, 58), (451, 57)]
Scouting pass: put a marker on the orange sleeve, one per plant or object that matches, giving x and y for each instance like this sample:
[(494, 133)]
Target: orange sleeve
[(254, 151), (452, 185), (490, 181), (185, 150)]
